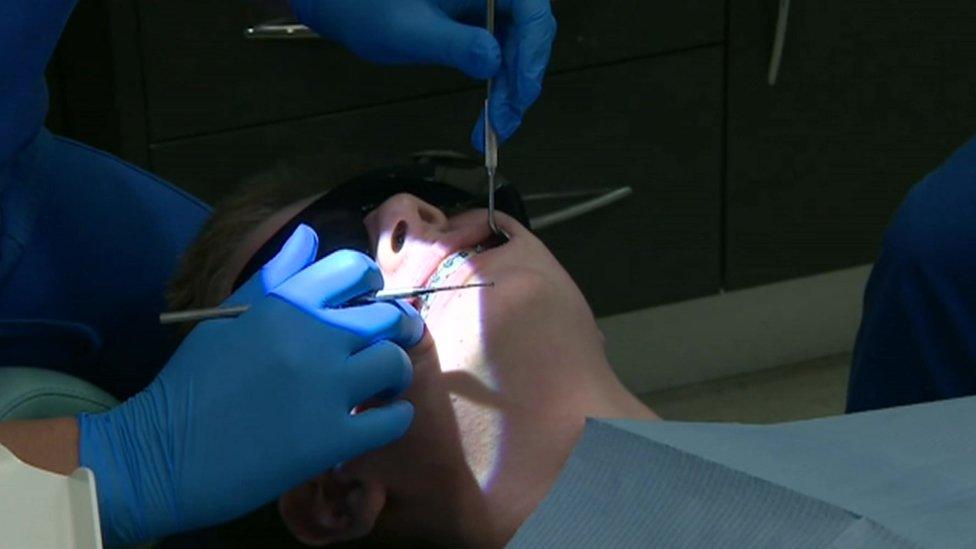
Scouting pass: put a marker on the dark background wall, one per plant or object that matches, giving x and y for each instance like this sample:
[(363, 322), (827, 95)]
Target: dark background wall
[(737, 182)]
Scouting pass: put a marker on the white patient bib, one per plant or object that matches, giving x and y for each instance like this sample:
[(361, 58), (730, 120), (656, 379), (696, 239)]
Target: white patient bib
[(39, 509)]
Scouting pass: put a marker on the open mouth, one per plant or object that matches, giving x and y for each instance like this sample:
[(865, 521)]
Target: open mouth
[(450, 265)]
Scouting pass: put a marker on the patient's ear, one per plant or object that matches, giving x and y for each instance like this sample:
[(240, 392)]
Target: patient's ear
[(332, 509)]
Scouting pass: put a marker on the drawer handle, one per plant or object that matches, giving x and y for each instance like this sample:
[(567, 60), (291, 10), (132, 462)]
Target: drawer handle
[(603, 198), (279, 30), (779, 41)]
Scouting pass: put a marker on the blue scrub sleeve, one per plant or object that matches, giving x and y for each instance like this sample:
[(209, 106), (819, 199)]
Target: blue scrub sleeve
[(917, 341), (87, 242)]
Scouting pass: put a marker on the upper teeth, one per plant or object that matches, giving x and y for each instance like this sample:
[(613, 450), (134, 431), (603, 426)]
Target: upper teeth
[(447, 267)]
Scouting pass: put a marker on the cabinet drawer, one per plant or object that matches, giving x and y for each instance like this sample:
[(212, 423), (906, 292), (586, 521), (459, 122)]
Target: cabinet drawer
[(203, 76), (654, 124), (871, 96)]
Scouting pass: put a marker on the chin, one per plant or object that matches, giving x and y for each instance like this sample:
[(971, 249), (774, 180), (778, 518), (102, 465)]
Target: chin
[(456, 325)]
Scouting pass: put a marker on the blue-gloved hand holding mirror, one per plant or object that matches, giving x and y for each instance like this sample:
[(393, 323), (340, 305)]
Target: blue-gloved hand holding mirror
[(450, 33), (247, 408)]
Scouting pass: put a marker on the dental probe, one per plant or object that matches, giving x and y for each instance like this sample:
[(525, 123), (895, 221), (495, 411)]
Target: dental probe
[(491, 138), (194, 315)]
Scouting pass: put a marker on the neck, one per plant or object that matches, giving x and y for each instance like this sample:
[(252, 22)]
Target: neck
[(541, 428)]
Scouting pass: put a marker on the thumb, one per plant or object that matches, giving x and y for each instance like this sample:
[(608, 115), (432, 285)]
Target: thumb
[(296, 254), (434, 37)]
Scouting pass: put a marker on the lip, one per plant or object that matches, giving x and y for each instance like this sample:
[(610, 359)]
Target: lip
[(470, 241), (433, 266), (462, 275)]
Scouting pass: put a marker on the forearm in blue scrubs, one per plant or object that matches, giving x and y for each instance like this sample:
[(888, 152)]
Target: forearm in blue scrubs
[(87, 242), (29, 31)]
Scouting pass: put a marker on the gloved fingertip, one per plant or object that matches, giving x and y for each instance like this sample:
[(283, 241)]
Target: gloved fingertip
[(398, 388), (383, 425), (306, 232), (358, 264), (403, 408), (508, 131), (383, 371), (478, 133), (413, 325), (296, 254), (401, 412), (418, 333), (482, 58), (507, 120), (529, 90), (306, 241), (332, 281)]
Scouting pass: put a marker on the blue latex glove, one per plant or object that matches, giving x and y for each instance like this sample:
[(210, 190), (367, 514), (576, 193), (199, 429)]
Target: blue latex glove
[(442, 32), (248, 408)]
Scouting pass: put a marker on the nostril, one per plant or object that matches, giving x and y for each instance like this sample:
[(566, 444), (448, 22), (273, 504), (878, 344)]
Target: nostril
[(399, 236)]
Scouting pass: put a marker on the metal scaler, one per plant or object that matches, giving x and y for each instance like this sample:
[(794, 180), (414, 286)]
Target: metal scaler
[(196, 315), (491, 139)]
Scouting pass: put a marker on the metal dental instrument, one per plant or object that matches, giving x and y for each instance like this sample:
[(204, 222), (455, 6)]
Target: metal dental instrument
[(195, 315), (491, 138)]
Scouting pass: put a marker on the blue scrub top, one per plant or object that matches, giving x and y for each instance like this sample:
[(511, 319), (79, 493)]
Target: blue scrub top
[(917, 340), (87, 242)]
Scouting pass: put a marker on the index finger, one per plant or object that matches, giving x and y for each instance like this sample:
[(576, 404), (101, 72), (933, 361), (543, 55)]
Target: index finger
[(397, 322), (535, 28)]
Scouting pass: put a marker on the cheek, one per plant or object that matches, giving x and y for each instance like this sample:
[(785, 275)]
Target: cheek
[(457, 326), (539, 313), (525, 297)]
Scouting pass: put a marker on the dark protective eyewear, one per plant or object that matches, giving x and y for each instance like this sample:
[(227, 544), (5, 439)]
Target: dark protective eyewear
[(337, 216)]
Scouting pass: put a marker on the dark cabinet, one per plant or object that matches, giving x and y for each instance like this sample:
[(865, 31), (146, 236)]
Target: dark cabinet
[(871, 95), (203, 76), (82, 77)]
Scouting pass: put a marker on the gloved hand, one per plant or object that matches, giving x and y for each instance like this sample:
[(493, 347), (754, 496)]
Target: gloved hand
[(247, 408), (443, 32)]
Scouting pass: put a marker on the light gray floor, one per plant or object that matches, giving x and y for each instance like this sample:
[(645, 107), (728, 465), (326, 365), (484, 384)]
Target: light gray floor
[(736, 332), (805, 390)]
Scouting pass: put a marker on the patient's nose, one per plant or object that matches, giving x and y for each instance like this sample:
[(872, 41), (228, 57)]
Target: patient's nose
[(402, 222)]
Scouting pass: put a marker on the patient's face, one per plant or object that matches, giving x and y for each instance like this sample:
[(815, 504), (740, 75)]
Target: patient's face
[(491, 361), (533, 304)]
